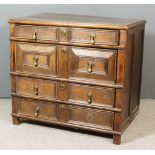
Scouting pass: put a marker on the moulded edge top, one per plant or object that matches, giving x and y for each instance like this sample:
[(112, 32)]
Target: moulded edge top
[(70, 20)]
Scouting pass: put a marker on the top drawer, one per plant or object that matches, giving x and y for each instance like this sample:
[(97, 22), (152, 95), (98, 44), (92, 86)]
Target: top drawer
[(30, 32), (94, 36), (68, 35)]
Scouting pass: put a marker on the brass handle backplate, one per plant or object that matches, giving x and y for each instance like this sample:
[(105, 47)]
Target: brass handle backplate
[(37, 111), (90, 67), (62, 107), (35, 35), (90, 98), (92, 38), (63, 31), (36, 90), (36, 60)]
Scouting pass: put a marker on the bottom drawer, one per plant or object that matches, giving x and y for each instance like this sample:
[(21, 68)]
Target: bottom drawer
[(91, 117), (38, 109)]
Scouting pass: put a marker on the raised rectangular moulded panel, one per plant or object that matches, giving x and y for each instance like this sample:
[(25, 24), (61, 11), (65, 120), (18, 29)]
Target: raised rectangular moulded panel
[(35, 58), (88, 64)]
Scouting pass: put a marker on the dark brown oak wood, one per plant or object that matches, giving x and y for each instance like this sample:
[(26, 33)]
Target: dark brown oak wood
[(76, 71)]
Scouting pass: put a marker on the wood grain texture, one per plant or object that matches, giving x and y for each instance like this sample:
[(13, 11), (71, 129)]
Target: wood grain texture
[(76, 71), (36, 87), (35, 58), (107, 37), (42, 33), (92, 64), (98, 95), (78, 21), (90, 117), (38, 110)]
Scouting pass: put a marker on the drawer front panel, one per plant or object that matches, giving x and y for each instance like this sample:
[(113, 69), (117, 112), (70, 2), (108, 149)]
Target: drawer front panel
[(36, 87), (88, 63), (94, 36), (36, 58), (91, 117), (36, 33), (38, 109), (91, 95)]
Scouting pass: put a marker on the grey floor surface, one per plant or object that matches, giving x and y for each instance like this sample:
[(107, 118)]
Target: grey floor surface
[(139, 135)]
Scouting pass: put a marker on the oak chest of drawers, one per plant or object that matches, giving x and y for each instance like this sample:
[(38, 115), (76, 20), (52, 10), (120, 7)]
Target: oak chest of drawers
[(76, 71)]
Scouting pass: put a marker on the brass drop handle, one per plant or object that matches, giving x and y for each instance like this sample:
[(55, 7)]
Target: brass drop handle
[(90, 98), (62, 86), (37, 111), (36, 60), (92, 38), (62, 107), (35, 35), (90, 67), (36, 90)]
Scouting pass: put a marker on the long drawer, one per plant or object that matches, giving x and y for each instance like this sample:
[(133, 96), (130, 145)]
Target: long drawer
[(72, 92), (69, 35), (75, 115), (67, 62)]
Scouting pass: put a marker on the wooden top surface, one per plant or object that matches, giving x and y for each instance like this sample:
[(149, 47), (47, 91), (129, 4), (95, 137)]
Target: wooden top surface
[(77, 21)]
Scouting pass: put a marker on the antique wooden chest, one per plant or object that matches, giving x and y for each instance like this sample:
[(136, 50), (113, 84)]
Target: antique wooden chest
[(76, 71)]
